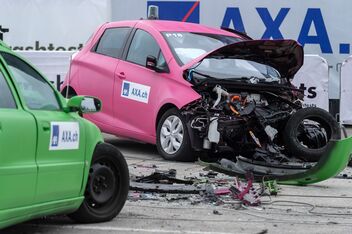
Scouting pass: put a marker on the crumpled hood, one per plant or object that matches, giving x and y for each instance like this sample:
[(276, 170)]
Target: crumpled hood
[(286, 56)]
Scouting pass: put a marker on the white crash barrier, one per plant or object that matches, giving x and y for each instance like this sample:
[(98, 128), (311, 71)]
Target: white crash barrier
[(54, 65), (313, 77), (346, 92)]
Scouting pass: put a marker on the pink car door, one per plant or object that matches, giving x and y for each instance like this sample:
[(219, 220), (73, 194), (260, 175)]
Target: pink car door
[(138, 88), (97, 73)]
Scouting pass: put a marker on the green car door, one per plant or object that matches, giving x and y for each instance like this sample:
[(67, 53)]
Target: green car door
[(60, 154), (18, 169)]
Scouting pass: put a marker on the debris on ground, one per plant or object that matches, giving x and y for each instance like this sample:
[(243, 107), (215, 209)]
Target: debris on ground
[(245, 192), (166, 188), (206, 188), (216, 212)]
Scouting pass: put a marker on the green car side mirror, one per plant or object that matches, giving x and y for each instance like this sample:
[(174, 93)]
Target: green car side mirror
[(84, 104)]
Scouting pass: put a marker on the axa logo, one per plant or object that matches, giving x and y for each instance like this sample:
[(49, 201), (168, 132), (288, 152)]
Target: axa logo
[(139, 93), (313, 20), (69, 136), (55, 136), (126, 89)]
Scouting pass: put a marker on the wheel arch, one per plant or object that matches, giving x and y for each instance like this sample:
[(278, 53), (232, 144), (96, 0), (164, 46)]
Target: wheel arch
[(94, 139), (162, 110)]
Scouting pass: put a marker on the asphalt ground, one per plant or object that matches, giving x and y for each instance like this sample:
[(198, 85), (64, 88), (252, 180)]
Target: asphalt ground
[(325, 207)]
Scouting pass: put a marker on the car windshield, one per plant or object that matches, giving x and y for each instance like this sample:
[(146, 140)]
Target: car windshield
[(187, 46), (231, 68)]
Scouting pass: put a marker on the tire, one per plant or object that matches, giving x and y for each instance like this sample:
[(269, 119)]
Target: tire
[(184, 152), (294, 136), (102, 204)]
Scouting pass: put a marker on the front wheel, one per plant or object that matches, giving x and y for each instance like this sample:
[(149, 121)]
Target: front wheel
[(173, 141), (107, 186), (308, 132)]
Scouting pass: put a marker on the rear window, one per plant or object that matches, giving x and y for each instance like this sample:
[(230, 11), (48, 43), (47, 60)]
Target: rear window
[(112, 41)]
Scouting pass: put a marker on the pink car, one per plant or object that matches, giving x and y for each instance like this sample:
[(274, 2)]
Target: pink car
[(190, 88)]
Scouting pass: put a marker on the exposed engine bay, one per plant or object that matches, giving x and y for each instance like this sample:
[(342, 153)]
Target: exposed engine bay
[(250, 116), (249, 122)]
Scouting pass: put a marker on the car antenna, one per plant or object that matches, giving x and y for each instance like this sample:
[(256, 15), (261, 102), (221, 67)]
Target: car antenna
[(68, 76), (153, 12)]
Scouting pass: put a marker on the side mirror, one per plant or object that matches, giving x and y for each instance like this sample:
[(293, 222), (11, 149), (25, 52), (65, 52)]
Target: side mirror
[(84, 104), (151, 63)]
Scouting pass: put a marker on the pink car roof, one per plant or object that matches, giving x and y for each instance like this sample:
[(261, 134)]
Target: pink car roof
[(175, 26)]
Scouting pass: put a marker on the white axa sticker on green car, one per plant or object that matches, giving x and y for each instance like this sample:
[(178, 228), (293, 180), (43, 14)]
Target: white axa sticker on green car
[(64, 136), (135, 91)]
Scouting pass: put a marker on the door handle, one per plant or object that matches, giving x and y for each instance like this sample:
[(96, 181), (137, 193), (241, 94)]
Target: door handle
[(46, 126), (121, 75)]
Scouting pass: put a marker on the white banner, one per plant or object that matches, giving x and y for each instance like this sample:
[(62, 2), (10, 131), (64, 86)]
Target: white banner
[(53, 65), (321, 26), (346, 92), (313, 78), (51, 25)]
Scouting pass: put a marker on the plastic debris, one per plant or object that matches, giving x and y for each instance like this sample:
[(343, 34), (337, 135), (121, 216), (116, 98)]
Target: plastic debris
[(208, 188)]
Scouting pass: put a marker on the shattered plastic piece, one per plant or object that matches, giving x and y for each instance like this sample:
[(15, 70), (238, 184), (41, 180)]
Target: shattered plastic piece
[(216, 212), (222, 191), (210, 174), (146, 166), (148, 196), (213, 133), (255, 139), (134, 196), (166, 188), (176, 197), (271, 186), (271, 132), (163, 177), (245, 192)]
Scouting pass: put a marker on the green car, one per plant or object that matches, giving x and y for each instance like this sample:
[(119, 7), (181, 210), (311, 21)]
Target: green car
[(52, 161)]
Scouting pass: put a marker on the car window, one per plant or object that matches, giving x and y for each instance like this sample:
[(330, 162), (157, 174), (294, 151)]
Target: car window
[(6, 98), (142, 46), (112, 41), (36, 91), (187, 46), (161, 63)]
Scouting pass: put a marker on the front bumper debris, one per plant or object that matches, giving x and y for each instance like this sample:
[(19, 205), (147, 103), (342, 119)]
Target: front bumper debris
[(330, 164)]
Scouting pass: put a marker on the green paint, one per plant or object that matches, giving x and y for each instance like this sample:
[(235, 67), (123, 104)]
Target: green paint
[(34, 180), (335, 159)]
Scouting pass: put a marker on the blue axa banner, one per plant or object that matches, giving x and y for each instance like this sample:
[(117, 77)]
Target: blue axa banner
[(186, 11)]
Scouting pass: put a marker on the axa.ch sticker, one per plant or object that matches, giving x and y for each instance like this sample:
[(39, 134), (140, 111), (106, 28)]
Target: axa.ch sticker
[(64, 136), (135, 91)]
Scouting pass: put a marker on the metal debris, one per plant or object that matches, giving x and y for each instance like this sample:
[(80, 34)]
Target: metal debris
[(166, 188), (209, 188)]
